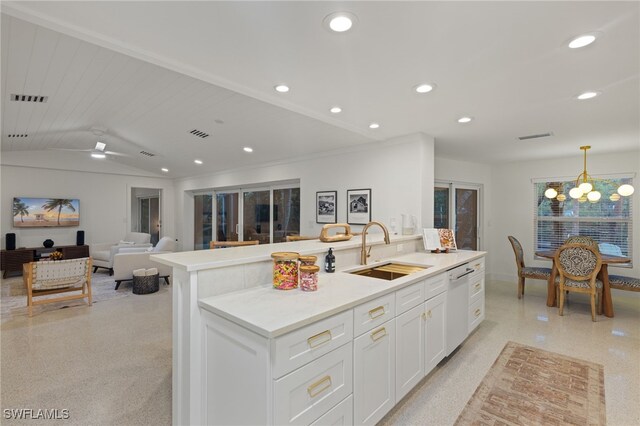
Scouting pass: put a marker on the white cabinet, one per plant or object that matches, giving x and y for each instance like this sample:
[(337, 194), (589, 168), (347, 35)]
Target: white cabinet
[(435, 342), (374, 375), (410, 347), (420, 342), (476, 297), (340, 415), (310, 391)]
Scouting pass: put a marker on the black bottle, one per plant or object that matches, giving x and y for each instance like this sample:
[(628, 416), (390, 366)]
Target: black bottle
[(330, 262)]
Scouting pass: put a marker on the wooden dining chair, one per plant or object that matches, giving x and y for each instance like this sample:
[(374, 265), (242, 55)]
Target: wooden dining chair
[(222, 244), (582, 239), (578, 266), (536, 273)]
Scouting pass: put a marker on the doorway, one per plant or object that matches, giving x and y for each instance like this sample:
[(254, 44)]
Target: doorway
[(145, 212)]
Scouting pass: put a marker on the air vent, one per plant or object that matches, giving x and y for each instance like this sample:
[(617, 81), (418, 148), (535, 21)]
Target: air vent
[(199, 133), (541, 135), (18, 135), (148, 154), (29, 98)]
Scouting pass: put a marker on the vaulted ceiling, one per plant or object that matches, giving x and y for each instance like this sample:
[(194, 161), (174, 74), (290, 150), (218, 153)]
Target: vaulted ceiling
[(141, 76)]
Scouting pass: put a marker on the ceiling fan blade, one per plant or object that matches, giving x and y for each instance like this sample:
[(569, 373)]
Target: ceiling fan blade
[(117, 154), (70, 149)]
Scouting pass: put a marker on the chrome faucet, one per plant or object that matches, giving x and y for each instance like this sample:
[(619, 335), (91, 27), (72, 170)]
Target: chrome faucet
[(364, 254)]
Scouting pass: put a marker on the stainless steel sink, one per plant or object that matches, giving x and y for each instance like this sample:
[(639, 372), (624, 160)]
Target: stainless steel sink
[(389, 271)]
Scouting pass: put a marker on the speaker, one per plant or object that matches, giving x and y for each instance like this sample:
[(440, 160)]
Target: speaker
[(80, 238), (11, 241)]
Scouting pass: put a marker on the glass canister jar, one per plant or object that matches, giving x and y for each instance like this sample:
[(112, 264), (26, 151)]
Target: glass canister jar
[(309, 277), (307, 260), (285, 270)]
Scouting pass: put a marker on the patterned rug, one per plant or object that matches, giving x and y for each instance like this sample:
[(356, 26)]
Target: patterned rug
[(530, 386), (13, 295)]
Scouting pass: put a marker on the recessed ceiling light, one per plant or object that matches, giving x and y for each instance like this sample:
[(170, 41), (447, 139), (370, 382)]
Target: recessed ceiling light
[(340, 22), (425, 87), (197, 161), (582, 41), (100, 146), (464, 119), (281, 88), (335, 110), (587, 95), (247, 149), (164, 169), (374, 125), (98, 155)]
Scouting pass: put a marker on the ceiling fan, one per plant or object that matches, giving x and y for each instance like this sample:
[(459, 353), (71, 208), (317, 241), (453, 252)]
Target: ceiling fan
[(99, 150)]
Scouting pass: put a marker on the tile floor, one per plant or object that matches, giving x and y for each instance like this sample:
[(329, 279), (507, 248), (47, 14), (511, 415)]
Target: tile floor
[(111, 363)]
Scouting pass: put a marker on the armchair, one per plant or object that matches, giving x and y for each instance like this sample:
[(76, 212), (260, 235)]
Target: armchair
[(103, 253), (129, 259)]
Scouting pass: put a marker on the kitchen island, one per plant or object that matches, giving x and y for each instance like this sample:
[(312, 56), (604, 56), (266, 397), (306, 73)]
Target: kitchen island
[(297, 357)]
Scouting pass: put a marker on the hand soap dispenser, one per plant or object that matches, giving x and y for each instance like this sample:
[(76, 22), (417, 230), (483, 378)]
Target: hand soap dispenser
[(330, 262)]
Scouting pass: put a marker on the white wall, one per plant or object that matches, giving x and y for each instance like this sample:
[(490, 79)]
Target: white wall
[(512, 202), (105, 201), (399, 173)]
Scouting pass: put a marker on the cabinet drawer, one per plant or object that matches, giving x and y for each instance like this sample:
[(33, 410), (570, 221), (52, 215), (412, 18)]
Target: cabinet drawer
[(309, 392), (477, 265), (340, 415), (371, 314), (435, 285), (476, 288), (476, 314), (297, 348), (409, 297)]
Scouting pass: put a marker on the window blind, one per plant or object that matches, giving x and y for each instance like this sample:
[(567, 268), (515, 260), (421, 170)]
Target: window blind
[(608, 221)]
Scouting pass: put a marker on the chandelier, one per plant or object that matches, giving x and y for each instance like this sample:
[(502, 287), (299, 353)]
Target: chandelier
[(585, 188)]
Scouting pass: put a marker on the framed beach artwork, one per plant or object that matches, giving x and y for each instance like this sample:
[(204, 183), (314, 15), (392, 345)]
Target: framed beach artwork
[(358, 206), (45, 212), (326, 206)]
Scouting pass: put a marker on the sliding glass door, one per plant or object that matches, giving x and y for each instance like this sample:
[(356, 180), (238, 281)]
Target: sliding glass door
[(227, 216), (457, 207), (268, 214), (203, 221), (256, 216)]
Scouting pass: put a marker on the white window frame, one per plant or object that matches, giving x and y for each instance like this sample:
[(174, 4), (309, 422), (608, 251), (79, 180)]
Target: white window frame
[(578, 219)]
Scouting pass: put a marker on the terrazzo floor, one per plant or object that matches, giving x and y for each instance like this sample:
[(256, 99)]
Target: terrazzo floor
[(111, 363)]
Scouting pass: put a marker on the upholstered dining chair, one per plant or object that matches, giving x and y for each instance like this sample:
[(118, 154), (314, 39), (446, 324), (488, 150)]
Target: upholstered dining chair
[(578, 265), (535, 272)]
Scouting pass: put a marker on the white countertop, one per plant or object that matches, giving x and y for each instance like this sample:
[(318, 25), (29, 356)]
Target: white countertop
[(218, 258), (271, 313)]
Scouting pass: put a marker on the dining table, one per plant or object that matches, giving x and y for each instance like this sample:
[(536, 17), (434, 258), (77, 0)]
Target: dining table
[(603, 275)]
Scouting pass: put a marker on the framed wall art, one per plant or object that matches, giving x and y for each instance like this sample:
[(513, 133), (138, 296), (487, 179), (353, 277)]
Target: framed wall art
[(326, 206), (358, 206)]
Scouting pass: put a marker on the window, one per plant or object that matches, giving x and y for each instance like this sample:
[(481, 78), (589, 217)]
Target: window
[(608, 221)]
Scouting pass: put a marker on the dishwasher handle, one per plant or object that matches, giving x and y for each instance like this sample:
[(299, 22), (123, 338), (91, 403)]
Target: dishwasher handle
[(466, 272)]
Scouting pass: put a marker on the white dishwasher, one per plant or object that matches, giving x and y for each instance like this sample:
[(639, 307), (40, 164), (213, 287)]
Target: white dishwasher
[(457, 306)]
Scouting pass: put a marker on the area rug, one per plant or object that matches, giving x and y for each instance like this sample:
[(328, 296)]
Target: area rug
[(530, 386), (13, 295)]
